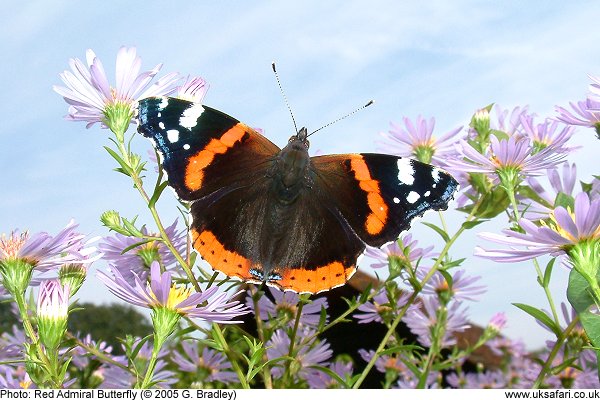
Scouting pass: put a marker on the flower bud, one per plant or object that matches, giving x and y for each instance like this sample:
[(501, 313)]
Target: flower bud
[(73, 276), (52, 313)]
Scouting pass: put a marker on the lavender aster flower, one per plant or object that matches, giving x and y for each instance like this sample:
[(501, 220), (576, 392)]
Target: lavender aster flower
[(463, 286), (322, 380), (585, 113), (564, 183), (557, 237), (284, 307), (403, 251), (21, 254), (511, 124), (380, 306), (209, 366), (136, 261), (306, 354), (421, 320), (42, 250), (92, 99), (545, 134), (417, 141), (510, 155), (159, 293)]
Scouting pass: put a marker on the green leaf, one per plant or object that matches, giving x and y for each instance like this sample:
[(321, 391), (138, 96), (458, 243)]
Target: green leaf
[(126, 249), (157, 192), (564, 200), (540, 316), (472, 224), (332, 374), (410, 348), (439, 230), (124, 167), (129, 225), (548, 272), (578, 292), (591, 324)]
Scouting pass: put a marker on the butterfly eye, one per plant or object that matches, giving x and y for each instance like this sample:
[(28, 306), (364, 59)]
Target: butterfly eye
[(306, 144)]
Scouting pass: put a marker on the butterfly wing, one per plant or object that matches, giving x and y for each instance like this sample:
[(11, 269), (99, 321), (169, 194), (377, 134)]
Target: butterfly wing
[(203, 150), (380, 194)]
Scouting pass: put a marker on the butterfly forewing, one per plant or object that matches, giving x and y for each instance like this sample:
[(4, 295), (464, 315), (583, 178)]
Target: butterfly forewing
[(380, 194), (197, 145)]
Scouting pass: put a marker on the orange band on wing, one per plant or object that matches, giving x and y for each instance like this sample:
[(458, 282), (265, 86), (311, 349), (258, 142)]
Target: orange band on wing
[(315, 280), (194, 172), (212, 250), (379, 210)]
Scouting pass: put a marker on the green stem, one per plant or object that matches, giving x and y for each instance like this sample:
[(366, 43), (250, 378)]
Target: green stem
[(151, 365), (548, 364), (230, 357), (266, 372), (437, 335), (546, 291), (139, 185)]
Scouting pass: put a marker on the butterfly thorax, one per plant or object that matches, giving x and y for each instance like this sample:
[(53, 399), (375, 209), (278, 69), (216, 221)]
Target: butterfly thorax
[(291, 168)]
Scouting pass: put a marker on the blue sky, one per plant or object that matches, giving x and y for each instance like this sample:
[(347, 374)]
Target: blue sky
[(435, 58)]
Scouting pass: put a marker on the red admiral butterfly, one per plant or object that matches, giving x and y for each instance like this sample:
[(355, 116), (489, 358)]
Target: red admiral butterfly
[(265, 214)]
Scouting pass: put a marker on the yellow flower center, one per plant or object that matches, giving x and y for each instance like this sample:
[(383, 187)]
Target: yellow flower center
[(176, 296), (10, 246)]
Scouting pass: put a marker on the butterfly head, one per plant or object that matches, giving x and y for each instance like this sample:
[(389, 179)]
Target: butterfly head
[(299, 140)]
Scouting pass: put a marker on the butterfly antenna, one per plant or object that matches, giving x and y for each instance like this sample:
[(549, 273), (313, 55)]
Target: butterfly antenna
[(284, 97), (341, 118)]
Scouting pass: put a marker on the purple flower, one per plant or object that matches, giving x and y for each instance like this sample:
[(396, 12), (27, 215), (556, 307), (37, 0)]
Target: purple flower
[(322, 380), (563, 230), (564, 183), (115, 377), (388, 364), (136, 261), (417, 141), (403, 250), (480, 380), (380, 305), (463, 286), (193, 89), (81, 357), (421, 321), (19, 379), (512, 124), (306, 355), (161, 294), (209, 366), (585, 113), (508, 154), (285, 306), (497, 322), (41, 250), (92, 99), (545, 134)]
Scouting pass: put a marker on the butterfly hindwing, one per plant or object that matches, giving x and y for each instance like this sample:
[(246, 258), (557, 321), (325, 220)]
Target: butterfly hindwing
[(380, 194), (289, 247), (197, 143)]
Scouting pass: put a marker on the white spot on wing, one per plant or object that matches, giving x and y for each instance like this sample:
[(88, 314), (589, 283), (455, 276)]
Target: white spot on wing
[(186, 146), (427, 193), (173, 135), (164, 102), (412, 197), (406, 171), (161, 125), (396, 200), (435, 174), (190, 116)]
